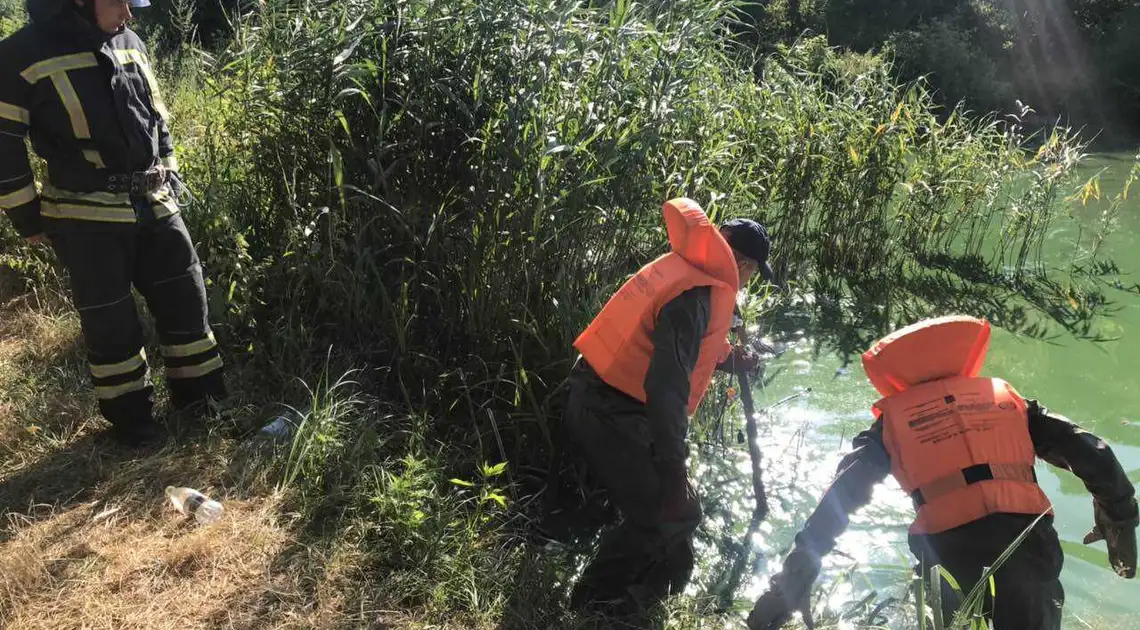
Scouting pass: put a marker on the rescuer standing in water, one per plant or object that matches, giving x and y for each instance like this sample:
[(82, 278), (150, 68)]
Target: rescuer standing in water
[(963, 448), (646, 362)]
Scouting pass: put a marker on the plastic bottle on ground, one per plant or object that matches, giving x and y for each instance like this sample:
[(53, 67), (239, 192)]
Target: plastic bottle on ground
[(190, 501), (277, 430)]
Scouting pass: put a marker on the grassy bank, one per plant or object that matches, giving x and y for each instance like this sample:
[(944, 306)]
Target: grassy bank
[(407, 210)]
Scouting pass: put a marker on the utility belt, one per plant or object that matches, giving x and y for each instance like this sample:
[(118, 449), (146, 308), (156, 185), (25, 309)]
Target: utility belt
[(969, 476), (138, 183), (116, 197)]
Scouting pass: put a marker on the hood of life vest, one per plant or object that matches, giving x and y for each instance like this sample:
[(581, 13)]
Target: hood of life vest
[(928, 350), (693, 237)]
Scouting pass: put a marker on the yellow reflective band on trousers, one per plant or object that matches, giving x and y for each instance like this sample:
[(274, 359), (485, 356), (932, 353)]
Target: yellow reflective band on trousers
[(55, 65), (131, 55), (25, 195), (123, 367), (108, 393), (15, 114), (195, 371), (190, 349), (94, 157)]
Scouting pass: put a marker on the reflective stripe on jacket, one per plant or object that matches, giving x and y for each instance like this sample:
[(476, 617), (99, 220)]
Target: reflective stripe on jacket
[(618, 343), (958, 444)]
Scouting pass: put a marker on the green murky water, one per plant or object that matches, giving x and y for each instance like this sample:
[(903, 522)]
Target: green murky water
[(1097, 384)]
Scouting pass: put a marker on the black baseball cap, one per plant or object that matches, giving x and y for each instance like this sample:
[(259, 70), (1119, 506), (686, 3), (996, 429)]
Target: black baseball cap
[(751, 239)]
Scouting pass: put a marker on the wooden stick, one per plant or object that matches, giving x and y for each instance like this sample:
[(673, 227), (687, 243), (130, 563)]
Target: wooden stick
[(761, 511)]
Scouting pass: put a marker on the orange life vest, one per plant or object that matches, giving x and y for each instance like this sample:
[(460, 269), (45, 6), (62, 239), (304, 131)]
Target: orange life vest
[(959, 444), (618, 343)]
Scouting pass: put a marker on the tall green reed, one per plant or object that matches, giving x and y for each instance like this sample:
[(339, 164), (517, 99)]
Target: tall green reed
[(451, 189)]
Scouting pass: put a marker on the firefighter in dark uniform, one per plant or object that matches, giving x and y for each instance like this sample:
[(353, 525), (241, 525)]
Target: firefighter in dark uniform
[(80, 84), (963, 447)]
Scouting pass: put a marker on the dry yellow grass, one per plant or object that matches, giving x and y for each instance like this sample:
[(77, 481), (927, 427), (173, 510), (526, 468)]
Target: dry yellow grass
[(88, 541), (97, 565)]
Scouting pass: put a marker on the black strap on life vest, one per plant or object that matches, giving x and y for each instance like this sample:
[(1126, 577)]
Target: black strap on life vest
[(969, 476)]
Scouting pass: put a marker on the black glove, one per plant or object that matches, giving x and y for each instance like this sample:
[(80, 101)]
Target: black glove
[(739, 359), (745, 360), (790, 592), (1119, 536)]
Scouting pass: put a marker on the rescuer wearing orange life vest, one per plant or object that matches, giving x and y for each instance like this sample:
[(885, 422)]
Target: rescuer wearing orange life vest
[(963, 447), (646, 361)]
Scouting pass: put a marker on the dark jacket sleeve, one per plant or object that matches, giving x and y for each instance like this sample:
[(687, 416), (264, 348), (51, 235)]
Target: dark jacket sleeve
[(1060, 442), (19, 197), (681, 325), (165, 141), (858, 473), (728, 366)]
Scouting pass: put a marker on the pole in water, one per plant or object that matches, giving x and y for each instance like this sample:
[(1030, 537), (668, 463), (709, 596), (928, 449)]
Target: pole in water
[(753, 446)]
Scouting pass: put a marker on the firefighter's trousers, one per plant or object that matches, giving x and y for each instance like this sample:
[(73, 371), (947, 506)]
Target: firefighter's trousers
[(1027, 591), (648, 554), (157, 258)]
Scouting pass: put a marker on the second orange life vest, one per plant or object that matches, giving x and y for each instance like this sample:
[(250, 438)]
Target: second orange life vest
[(959, 444), (618, 344)]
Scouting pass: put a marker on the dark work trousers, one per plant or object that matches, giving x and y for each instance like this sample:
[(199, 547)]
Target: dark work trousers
[(646, 555), (1028, 591), (156, 257)]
